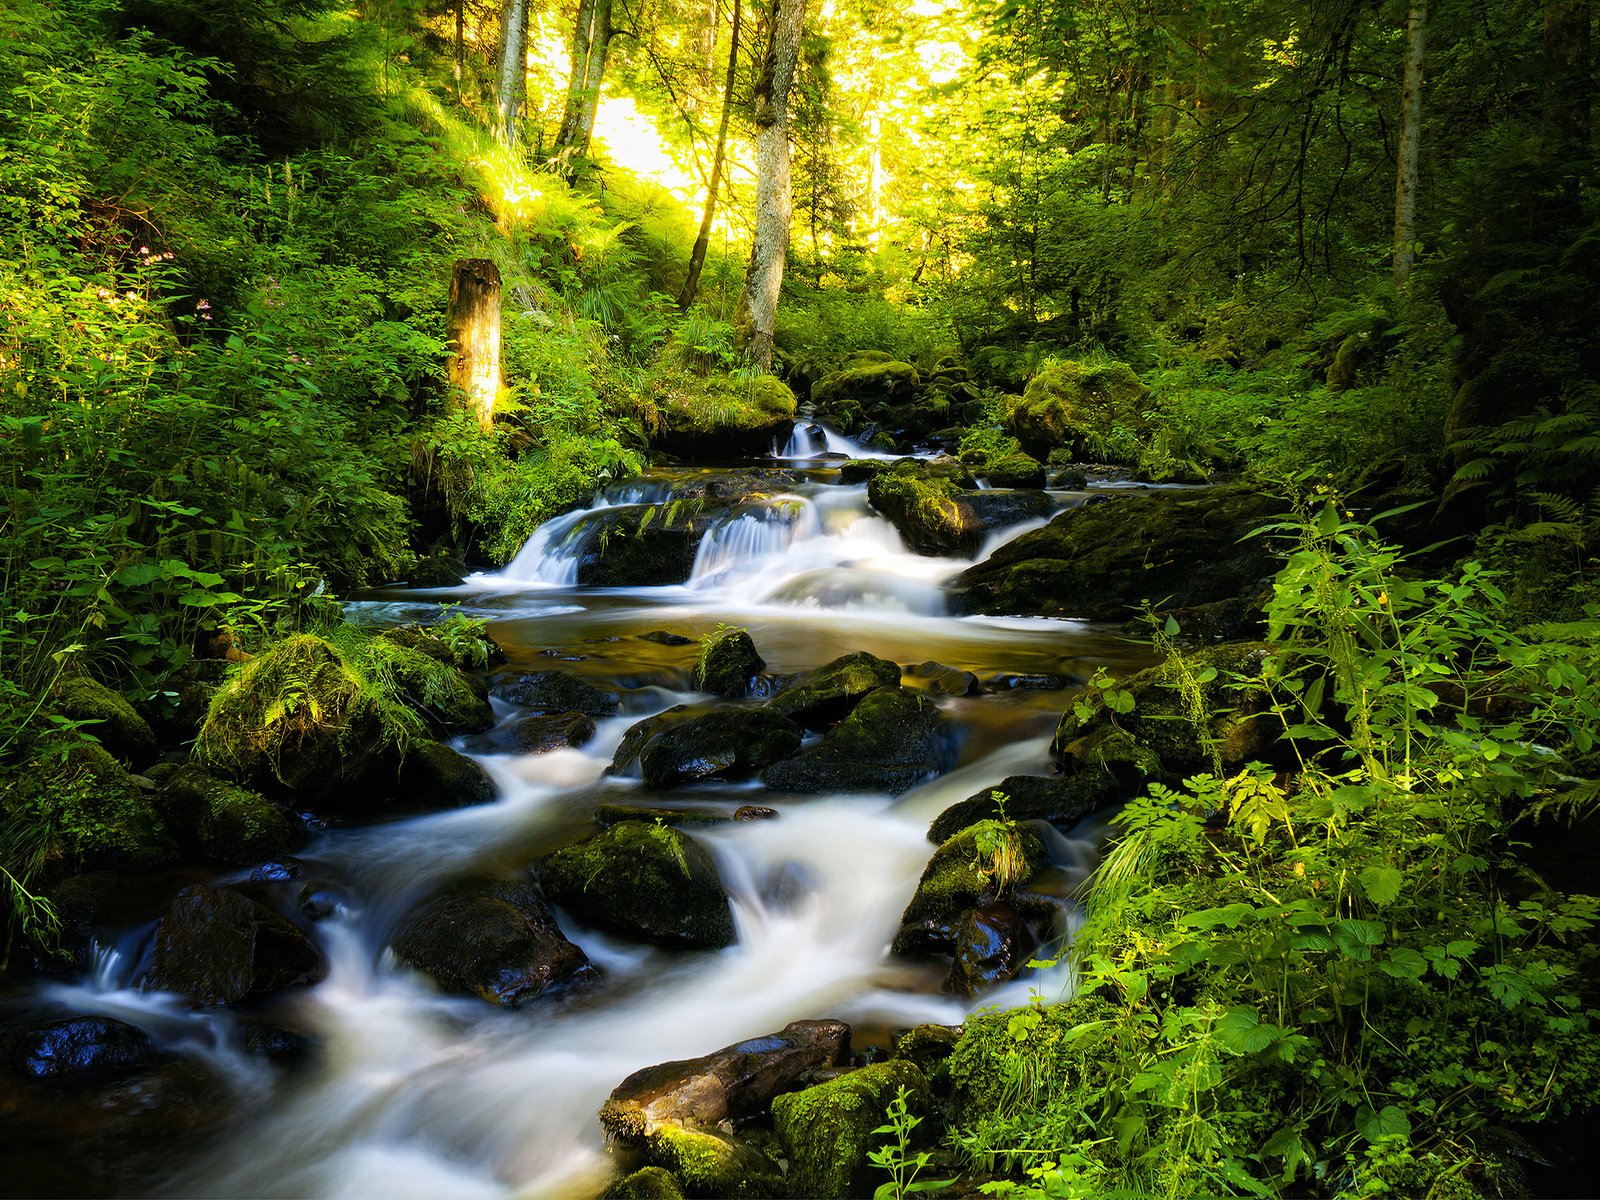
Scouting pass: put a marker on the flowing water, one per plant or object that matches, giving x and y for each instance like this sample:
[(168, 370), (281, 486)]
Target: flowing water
[(413, 1093)]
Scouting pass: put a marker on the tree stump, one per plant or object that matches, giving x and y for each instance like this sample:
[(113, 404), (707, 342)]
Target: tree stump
[(474, 334)]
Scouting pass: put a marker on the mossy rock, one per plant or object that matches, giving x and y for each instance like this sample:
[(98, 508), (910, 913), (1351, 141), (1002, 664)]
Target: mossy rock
[(1102, 561), (1072, 405), (490, 938), (546, 732), (92, 814), (643, 881), (892, 739), (711, 1164), (988, 1059), (962, 874), (828, 1131), (820, 698), (1185, 712), (869, 384), (227, 823), (464, 655), (434, 775), (647, 1183), (1014, 471), (724, 417), (728, 662), (1059, 799), (117, 726), (926, 509), (452, 701), (298, 717), (642, 545)]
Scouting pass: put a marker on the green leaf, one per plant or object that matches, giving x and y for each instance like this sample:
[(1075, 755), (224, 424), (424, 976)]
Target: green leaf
[(1382, 884), (1390, 1121)]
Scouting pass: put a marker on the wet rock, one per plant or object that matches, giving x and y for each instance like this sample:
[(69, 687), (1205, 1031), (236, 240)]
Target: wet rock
[(925, 507), (1030, 682), (275, 872), (1059, 799), (217, 947), (755, 812), (1070, 480), (873, 386), (643, 881), (927, 1045), (612, 814), (998, 510), (275, 1043), (712, 1164), (946, 681), (821, 698), (730, 1084), (892, 739), (828, 1131), (720, 742), (992, 943), (1013, 471), (226, 823), (1175, 549), (860, 470), (728, 662), (490, 938), (542, 734), (663, 637), (638, 546), (79, 1047), (116, 726), (981, 864), (434, 775), (440, 571), (647, 1183), (1159, 739), (557, 692)]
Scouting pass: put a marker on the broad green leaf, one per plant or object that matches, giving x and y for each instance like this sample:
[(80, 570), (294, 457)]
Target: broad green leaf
[(1382, 884)]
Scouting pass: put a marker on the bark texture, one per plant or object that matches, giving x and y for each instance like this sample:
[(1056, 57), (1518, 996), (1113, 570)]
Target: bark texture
[(1405, 183), (590, 47), (474, 335), (513, 68)]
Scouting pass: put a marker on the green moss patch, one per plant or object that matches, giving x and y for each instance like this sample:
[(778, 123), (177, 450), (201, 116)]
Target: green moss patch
[(1093, 410), (116, 725), (828, 1131), (227, 823)]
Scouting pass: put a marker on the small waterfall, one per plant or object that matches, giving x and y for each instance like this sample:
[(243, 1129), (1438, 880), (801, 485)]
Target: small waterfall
[(812, 439), (752, 532)]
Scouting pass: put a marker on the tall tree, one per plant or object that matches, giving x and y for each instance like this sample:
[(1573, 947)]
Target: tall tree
[(513, 66), (697, 256), (587, 53), (1405, 183), (758, 304)]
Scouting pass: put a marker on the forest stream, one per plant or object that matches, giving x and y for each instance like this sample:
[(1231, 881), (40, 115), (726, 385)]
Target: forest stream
[(410, 1092)]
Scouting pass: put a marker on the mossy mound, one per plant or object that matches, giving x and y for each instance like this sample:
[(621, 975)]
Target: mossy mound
[(1192, 714), (868, 383), (820, 698), (228, 824), (1084, 408), (87, 814), (647, 1183), (892, 739), (827, 1131), (925, 508), (723, 417), (644, 881), (1101, 561), (728, 662), (711, 1164), (963, 874), (452, 701), (117, 726), (299, 717), (1013, 471)]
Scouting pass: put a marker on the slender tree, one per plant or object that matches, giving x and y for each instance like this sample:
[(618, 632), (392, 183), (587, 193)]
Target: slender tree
[(697, 256), (513, 67), (1405, 184), (758, 304), (587, 54)]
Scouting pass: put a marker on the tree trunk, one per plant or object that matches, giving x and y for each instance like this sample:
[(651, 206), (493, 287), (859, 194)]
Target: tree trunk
[(758, 304), (697, 257), (513, 66), (474, 335), (591, 44), (461, 38), (1405, 183)]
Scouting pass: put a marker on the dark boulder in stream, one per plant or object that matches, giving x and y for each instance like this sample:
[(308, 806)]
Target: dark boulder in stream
[(892, 739), (1059, 799), (224, 822), (490, 938), (544, 733), (644, 881), (434, 775), (217, 947), (829, 1130), (78, 1047), (823, 697), (727, 664), (722, 741), (556, 692)]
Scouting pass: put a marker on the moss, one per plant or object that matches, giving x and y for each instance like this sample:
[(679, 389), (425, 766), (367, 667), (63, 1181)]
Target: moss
[(642, 881), (648, 1183), (818, 698), (299, 716), (452, 701), (828, 1131), (1080, 407), (961, 875), (712, 1165), (116, 726), (229, 824), (728, 661), (925, 509), (724, 416), (869, 383), (994, 1074), (893, 738)]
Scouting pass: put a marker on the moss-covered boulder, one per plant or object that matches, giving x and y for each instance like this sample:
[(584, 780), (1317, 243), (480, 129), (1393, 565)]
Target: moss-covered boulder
[(1079, 407), (713, 1165), (892, 739), (451, 700), (647, 1183), (821, 698), (490, 938), (299, 717), (1200, 712), (1059, 799), (721, 741), (926, 508), (641, 545), (434, 776), (979, 865), (226, 823), (91, 815), (556, 692), (723, 417), (728, 662), (828, 1131), (116, 725), (869, 384), (1013, 471), (218, 947), (1102, 561), (643, 881)]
